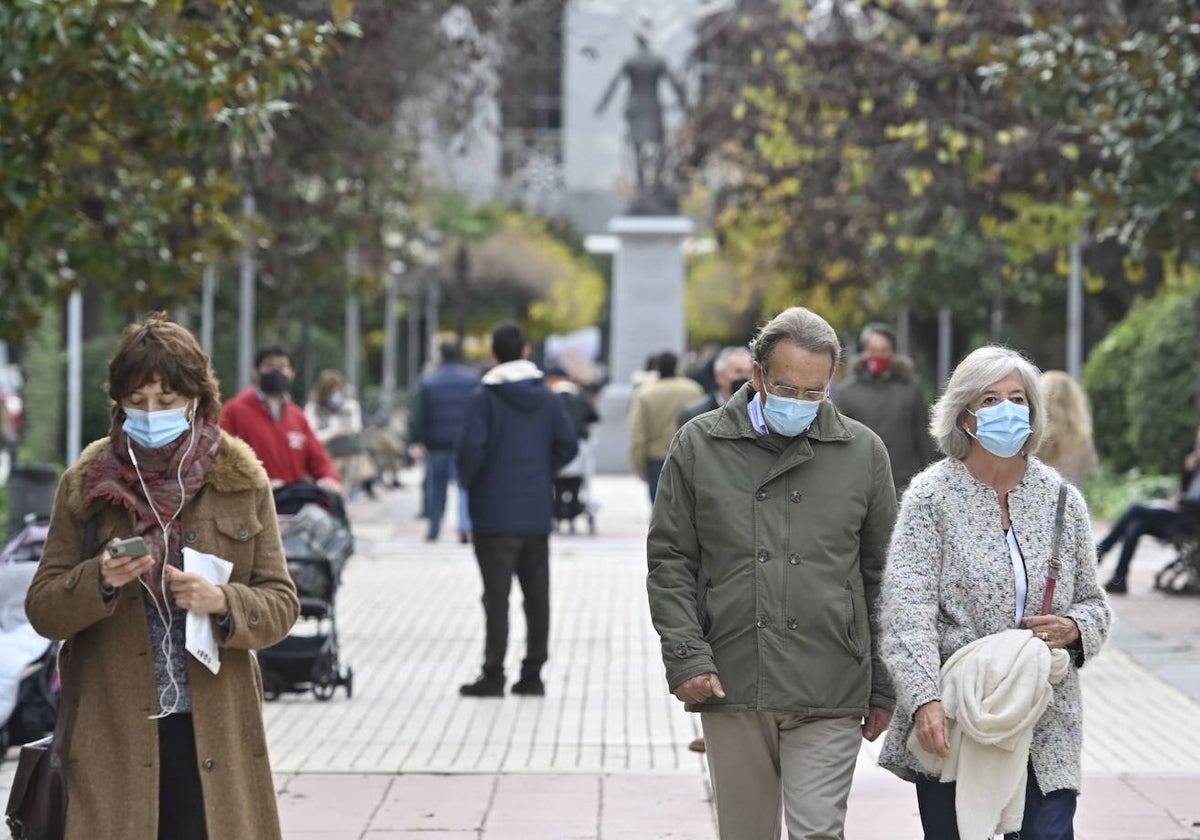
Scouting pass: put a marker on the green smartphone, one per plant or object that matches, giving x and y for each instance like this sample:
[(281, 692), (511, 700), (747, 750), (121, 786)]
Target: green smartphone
[(132, 547)]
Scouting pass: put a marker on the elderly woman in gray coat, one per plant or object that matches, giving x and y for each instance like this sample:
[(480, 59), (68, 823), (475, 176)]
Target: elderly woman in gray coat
[(969, 558)]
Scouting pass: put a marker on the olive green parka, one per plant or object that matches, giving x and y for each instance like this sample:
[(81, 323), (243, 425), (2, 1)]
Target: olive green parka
[(766, 555)]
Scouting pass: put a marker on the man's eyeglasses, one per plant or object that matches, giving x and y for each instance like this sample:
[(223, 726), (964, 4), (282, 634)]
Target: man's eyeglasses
[(788, 392)]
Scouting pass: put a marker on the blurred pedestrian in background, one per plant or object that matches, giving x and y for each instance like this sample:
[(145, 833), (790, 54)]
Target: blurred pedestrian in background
[(1159, 519), (960, 596), (516, 437), (265, 417), (883, 393), (439, 411), (732, 368), (654, 418), (572, 483), (1068, 445), (151, 719), (336, 418)]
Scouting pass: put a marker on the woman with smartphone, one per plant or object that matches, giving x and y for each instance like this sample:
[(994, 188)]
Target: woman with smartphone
[(154, 726)]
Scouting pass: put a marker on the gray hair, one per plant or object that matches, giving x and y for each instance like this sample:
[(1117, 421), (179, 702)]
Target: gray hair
[(877, 328), (722, 360), (972, 376), (802, 327)]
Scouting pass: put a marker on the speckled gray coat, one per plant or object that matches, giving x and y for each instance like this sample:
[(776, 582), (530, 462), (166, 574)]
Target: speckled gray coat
[(949, 581)]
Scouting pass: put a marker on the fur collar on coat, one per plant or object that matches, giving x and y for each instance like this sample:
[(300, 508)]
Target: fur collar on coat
[(235, 468)]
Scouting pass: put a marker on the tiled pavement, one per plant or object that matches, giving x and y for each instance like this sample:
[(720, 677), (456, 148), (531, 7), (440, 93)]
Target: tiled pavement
[(604, 754)]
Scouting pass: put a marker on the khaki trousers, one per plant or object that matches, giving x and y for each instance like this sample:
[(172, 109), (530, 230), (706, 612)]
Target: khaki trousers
[(760, 760)]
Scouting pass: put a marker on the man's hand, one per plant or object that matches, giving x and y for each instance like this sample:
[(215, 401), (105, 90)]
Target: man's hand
[(330, 484), (195, 593), (698, 689), (876, 722)]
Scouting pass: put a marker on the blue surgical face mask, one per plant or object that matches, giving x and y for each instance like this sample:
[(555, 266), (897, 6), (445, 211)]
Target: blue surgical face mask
[(1002, 429), (789, 417), (155, 429)]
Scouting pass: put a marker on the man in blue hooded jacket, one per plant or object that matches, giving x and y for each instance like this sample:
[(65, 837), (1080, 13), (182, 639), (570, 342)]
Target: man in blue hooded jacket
[(515, 438)]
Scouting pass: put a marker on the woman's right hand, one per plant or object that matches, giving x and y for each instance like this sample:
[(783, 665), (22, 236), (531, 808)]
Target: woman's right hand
[(115, 572), (933, 729)]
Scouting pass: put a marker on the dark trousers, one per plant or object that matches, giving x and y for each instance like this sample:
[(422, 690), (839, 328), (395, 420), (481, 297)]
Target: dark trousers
[(528, 557), (1047, 816), (653, 471), (180, 797), (1137, 521)]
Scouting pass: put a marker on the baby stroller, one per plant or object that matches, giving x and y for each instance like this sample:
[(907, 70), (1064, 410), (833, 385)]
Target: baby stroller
[(572, 486), (28, 662), (317, 544), (1182, 575)]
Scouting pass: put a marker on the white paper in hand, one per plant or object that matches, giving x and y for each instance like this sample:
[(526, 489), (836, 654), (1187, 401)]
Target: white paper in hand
[(198, 631)]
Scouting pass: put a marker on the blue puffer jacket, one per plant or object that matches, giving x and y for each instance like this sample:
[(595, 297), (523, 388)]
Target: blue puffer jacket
[(444, 395), (516, 437)]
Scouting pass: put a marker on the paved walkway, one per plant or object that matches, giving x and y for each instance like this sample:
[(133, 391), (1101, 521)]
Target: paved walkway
[(604, 755)]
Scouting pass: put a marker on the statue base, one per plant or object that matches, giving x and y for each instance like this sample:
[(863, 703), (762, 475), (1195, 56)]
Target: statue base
[(646, 317)]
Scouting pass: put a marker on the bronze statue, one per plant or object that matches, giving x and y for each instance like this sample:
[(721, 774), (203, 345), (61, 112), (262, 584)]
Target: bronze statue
[(644, 115)]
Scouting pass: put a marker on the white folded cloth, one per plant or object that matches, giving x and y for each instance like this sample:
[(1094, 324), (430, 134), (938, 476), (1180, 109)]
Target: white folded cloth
[(993, 690)]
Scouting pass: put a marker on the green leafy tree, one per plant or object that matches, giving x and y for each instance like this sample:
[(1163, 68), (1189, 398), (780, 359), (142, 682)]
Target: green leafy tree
[(1129, 90), (1141, 382), (121, 121), (872, 162)]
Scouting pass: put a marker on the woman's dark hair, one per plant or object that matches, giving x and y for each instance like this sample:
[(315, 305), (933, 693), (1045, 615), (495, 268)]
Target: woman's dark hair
[(158, 347)]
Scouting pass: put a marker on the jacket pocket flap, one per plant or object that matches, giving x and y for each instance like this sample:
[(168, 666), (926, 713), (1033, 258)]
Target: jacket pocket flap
[(241, 527)]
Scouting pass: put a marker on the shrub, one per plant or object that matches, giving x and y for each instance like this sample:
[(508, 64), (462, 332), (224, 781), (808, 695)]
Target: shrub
[(1141, 382)]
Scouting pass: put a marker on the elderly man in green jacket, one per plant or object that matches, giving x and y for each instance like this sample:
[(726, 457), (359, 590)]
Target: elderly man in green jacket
[(766, 551)]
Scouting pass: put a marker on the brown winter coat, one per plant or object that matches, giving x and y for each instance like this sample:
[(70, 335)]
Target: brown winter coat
[(113, 768)]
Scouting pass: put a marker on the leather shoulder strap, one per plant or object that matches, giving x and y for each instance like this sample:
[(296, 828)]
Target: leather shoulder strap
[(1060, 511)]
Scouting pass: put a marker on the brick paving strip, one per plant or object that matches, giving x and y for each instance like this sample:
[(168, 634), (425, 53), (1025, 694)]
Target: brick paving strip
[(604, 755)]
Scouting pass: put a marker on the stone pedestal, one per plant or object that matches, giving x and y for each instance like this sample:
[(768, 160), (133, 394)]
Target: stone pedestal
[(646, 317)]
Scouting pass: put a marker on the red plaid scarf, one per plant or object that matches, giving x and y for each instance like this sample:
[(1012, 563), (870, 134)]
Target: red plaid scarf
[(113, 478)]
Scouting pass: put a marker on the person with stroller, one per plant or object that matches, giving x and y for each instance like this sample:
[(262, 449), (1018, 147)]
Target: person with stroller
[(572, 482), (983, 631), (265, 417), (1157, 519), (163, 747)]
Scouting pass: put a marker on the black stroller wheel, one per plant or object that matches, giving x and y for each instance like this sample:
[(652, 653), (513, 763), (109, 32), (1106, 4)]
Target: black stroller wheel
[(323, 688), (348, 682), (1178, 578), (273, 686)]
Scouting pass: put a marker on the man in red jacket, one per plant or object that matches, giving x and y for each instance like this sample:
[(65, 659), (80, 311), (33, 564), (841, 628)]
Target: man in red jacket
[(266, 418)]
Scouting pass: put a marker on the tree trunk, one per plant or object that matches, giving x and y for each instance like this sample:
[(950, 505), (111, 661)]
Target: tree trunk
[(462, 271)]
